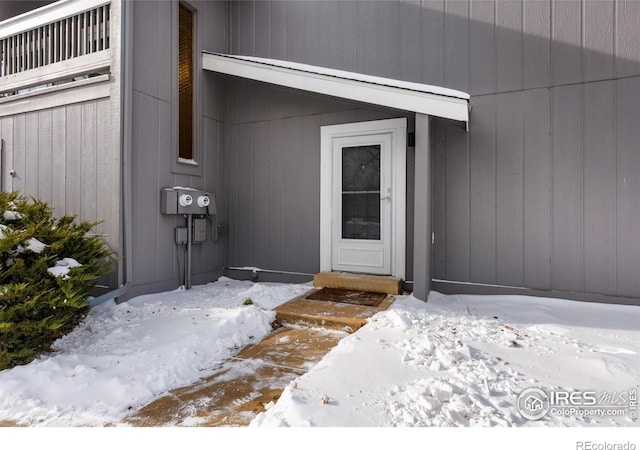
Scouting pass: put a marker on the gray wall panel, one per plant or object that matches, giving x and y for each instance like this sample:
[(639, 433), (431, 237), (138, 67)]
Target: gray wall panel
[(536, 121), (628, 186), (145, 188), (627, 50), (347, 36), (508, 31), (433, 42), (566, 47), (568, 182), (509, 191), (278, 32), (536, 48), (482, 193), (409, 65), (367, 38), (388, 30), (295, 31), (88, 169), (261, 210), (19, 142), (438, 186), (245, 177), (598, 55), (482, 47), (74, 158), (456, 44), (262, 24), (275, 203), (599, 188), (32, 141), (45, 144), (457, 216), (293, 198)]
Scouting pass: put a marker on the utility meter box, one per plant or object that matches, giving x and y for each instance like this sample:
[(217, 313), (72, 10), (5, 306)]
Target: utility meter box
[(187, 201)]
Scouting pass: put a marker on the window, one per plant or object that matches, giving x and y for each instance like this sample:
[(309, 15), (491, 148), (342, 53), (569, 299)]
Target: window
[(186, 78)]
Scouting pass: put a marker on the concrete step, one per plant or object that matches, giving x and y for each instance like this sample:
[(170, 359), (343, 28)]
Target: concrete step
[(358, 282), (327, 314)]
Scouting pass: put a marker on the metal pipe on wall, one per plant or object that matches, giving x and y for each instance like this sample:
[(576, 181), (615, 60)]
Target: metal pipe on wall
[(187, 282)]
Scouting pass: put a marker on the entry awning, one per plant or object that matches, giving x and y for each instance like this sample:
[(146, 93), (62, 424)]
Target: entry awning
[(415, 97)]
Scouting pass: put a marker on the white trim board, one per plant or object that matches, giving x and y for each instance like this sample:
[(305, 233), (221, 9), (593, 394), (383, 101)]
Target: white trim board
[(397, 94)]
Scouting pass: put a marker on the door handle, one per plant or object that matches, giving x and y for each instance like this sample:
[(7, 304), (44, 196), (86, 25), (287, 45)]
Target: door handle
[(387, 197)]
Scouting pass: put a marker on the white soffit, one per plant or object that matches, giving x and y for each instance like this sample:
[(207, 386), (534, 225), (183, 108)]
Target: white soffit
[(415, 97)]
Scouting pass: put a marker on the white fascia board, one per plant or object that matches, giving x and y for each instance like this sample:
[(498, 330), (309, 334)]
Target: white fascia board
[(338, 86)]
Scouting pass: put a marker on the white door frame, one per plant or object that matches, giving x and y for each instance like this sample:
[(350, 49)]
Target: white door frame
[(397, 128)]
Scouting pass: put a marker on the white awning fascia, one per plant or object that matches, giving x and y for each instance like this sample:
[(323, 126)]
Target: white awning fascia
[(415, 97)]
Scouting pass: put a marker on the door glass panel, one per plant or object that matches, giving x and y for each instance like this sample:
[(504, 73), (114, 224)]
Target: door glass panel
[(361, 192)]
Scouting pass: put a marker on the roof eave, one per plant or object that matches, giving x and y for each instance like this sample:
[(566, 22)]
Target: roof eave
[(378, 94)]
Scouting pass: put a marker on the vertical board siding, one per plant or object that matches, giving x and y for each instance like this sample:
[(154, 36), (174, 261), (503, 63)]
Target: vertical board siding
[(598, 40), (509, 191), (599, 188), (627, 186), (536, 49), (367, 38), (482, 48), (508, 45), (438, 161), (409, 61), (274, 184), (433, 41), (627, 50), (158, 261), (568, 182), (456, 44), (58, 161), (482, 193), (65, 157), (388, 35), (45, 149), (536, 120), (457, 217), (540, 192), (566, 46)]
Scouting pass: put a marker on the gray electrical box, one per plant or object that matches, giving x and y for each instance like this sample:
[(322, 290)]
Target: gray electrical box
[(179, 200), (182, 236), (199, 230)]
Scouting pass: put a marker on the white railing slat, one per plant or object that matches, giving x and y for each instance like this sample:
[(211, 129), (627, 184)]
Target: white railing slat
[(36, 43)]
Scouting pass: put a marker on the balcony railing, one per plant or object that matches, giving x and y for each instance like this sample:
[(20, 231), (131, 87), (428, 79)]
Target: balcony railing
[(62, 40)]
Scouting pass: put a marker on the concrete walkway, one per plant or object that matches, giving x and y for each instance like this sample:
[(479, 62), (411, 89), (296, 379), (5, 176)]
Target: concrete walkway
[(242, 386)]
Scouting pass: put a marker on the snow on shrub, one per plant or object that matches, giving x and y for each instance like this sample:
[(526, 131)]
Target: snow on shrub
[(47, 269)]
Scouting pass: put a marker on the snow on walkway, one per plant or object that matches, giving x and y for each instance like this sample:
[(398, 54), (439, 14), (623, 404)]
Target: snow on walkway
[(463, 361)]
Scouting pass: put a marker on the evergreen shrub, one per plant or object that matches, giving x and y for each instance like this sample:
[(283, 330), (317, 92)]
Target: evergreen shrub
[(47, 269)]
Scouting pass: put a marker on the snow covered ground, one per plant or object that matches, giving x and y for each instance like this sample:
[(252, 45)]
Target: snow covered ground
[(454, 361)]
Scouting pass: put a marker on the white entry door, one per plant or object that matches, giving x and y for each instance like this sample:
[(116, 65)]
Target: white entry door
[(363, 195)]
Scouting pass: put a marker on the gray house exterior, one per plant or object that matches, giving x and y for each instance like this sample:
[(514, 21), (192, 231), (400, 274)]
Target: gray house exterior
[(535, 193)]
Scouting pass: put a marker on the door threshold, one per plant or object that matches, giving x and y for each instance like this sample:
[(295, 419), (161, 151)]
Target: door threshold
[(359, 282)]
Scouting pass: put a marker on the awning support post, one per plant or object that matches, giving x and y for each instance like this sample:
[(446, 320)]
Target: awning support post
[(422, 209)]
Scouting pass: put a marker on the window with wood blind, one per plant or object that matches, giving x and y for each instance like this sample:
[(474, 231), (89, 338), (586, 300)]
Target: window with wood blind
[(186, 83)]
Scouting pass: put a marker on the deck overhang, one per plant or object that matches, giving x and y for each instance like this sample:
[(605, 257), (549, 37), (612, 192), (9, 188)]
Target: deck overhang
[(415, 97)]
